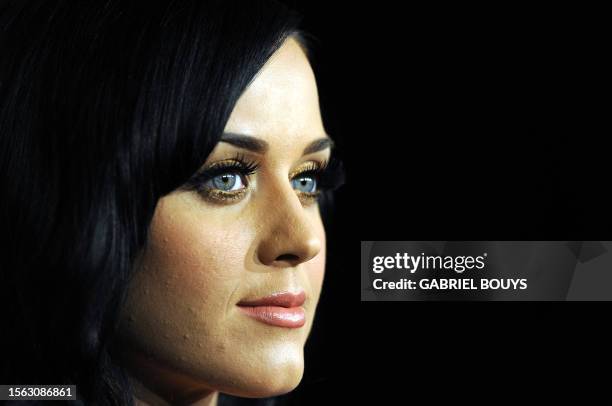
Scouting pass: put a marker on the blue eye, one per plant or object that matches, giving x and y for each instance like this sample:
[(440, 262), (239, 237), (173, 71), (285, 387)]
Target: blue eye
[(306, 184), (226, 182)]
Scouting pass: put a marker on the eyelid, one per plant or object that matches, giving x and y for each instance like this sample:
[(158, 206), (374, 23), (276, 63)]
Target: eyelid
[(238, 163), (309, 166)]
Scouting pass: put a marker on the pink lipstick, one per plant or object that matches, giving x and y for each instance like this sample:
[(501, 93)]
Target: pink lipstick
[(279, 309)]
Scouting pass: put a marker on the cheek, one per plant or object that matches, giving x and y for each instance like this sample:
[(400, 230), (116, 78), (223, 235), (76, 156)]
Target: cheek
[(194, 262), (202, 259), (183, 285)]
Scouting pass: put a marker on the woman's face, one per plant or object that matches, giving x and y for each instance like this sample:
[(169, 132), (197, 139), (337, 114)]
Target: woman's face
[(237, 239)]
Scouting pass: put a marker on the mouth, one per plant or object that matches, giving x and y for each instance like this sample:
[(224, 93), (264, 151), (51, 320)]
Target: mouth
[(283, 309)]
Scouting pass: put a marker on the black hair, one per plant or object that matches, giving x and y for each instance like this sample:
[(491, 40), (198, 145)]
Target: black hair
[(105, 107)]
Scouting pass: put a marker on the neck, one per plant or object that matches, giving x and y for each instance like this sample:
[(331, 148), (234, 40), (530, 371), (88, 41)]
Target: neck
[(145, 396), (156, 385)]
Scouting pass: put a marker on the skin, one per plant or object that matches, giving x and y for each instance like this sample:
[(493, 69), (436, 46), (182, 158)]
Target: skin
[(181, 337)]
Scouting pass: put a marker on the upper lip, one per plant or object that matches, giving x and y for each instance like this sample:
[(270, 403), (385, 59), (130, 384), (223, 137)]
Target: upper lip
[(282, 299)]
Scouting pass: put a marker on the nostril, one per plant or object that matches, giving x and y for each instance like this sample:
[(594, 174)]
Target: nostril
[(288, 258)]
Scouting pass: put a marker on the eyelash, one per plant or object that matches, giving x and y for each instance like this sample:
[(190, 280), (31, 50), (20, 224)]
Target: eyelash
[(327, 175)]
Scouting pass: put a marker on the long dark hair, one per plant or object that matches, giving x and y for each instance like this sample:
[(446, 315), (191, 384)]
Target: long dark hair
[(105, 106)]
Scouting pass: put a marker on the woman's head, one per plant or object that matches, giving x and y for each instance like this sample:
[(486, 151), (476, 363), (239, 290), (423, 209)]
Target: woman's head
[(236, 237), (134, 228)]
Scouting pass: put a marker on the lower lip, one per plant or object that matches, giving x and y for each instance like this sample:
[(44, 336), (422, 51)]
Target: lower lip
[(292, 317)]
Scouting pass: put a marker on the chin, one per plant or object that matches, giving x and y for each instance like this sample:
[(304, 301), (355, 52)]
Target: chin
[(270, 379)]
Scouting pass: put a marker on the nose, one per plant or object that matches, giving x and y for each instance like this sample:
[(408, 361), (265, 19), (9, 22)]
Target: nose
[(290, 237)]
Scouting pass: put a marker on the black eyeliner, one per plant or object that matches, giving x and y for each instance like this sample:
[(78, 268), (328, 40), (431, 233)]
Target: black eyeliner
[(329, 175), (238, 164)]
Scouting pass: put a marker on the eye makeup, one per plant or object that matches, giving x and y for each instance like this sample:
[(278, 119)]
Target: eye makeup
[(239, 167), (311, 178), (325, 176)]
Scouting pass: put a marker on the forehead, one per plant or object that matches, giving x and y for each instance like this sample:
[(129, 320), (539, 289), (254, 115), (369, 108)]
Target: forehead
[(281, 104)]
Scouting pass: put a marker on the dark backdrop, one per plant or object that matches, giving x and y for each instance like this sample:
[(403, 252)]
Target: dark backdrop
[(457, 123)]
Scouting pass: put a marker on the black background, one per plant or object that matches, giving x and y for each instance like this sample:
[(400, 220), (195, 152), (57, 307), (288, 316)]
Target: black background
[(459, 123)]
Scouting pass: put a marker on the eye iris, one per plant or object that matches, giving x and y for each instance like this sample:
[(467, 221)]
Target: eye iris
[(305, 184), (225, 182)]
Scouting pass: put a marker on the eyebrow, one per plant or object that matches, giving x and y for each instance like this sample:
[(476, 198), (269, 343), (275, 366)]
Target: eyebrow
[(260, 146), (318, 145), (245, 142)]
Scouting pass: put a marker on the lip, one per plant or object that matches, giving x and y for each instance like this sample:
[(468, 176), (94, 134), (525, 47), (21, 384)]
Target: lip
[(283, 309)]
